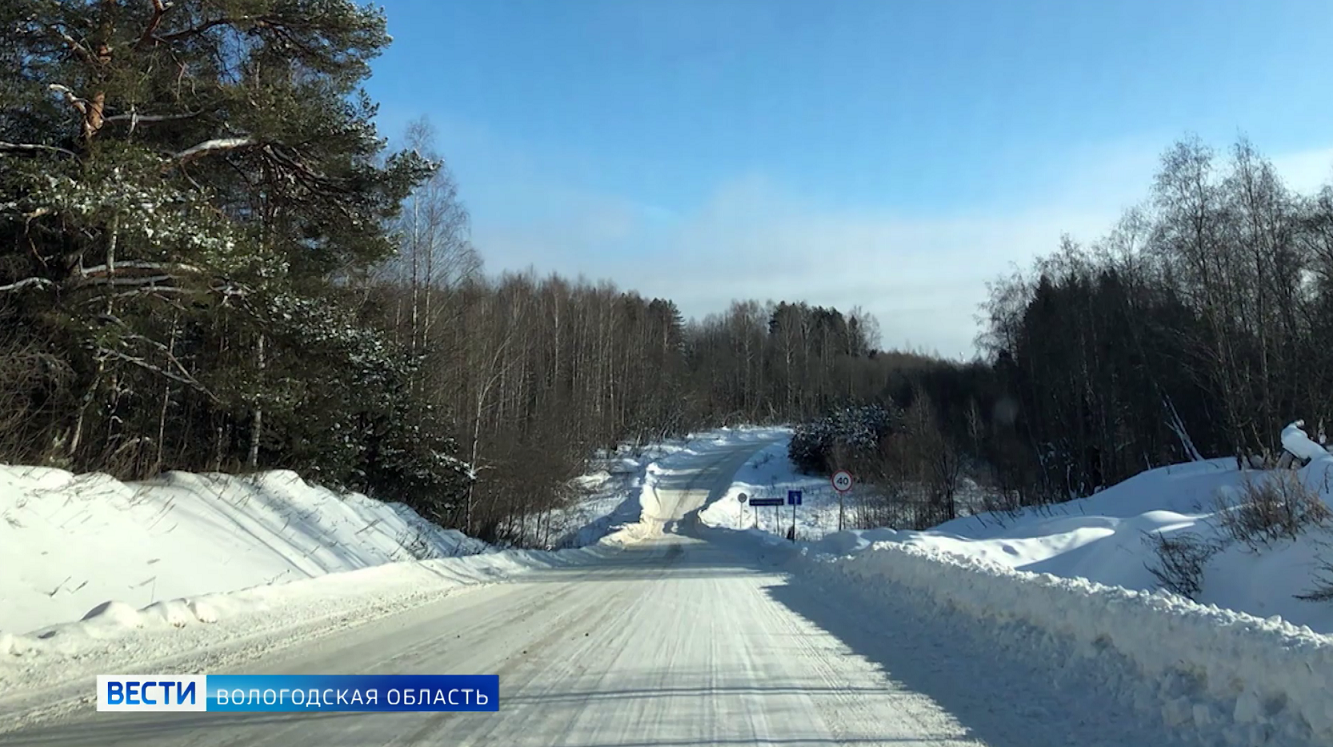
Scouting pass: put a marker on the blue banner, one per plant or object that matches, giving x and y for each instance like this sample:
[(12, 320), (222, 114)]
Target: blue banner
[(353, 692)]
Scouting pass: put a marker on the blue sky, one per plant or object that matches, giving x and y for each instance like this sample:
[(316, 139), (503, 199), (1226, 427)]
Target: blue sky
[(883, 153)]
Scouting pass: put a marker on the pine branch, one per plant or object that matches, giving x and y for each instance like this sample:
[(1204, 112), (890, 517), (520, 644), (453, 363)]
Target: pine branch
[(74, 45), (34, 148), (208, 147), (139, 265), (90, 110), (160, 9), (187, 380), (138, 119), (125, 282), (39, 282), (74, 101), (196, 30), (184, 376)]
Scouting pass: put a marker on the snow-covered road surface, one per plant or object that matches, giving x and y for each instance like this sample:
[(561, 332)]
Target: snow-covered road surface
[(675, 641)]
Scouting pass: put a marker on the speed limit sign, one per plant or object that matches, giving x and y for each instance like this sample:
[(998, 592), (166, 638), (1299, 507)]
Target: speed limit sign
[(842, 481), (742, 498)]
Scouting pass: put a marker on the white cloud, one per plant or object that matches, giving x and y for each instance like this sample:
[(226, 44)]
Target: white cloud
[(922, 276)]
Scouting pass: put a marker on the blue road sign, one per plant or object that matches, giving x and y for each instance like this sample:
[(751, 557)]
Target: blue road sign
[(793, 497), (765, 501)]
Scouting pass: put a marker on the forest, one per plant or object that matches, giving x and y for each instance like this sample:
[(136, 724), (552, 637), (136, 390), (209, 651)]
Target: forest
[(211, 260)]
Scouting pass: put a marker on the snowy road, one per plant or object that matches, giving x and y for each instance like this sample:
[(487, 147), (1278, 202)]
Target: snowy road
[(677, 641)]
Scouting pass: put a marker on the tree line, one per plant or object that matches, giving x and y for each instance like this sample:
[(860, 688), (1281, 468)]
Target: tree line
[(211, 260), (1198, 327)]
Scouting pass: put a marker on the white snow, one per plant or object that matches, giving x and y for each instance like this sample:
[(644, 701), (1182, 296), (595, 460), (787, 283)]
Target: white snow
[(1295, 440), (958, 626), (621, 483), (204, 632), (1102, 538), (1249, 680), (88, 557), (71, 543), (1248, 664)]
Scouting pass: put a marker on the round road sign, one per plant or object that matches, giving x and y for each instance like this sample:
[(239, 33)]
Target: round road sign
[(842, 481), (742, 497)]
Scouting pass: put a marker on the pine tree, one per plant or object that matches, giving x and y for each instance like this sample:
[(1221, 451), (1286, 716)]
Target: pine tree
[(187, 189)]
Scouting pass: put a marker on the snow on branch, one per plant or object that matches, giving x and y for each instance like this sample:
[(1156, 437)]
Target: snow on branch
[(165, 267), (69, 97), (138, 119), (34, 148), (216, 145), (38, 282)]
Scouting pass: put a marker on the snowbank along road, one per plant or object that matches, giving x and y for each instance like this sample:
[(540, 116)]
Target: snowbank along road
[(688, 636)]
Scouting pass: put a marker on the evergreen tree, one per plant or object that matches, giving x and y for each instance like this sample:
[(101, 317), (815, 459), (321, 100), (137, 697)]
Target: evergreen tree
[(186, 189)]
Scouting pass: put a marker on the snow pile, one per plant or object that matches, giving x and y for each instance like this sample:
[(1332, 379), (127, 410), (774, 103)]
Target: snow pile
[(69, 544), (1295, 440), (621, 487), (1216, 671), (1106, 538), (612, 497)]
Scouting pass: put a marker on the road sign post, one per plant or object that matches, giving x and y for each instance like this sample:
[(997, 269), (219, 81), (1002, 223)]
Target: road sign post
[(740, 517), (793, 500), (842, 482), (776, 503)]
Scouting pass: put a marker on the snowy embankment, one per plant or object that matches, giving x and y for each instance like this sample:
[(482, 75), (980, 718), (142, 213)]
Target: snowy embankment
[(101, 575), (1073, 580), (1212, 671), (47, 673), (188, 572), (71, 543)]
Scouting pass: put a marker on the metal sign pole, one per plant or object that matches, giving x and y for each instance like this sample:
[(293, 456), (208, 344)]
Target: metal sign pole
[(842, 482)]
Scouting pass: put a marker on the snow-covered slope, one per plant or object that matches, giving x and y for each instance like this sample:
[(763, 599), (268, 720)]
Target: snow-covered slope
[(1103, 538), (1209, 671), (233, 546), (1070, 585), (71, 543)]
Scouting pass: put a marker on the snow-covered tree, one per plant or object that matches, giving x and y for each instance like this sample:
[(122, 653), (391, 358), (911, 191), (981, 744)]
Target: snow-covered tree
[(183, 188)]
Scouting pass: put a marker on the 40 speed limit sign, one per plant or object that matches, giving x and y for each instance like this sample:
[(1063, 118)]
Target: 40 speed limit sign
[(842, 481)]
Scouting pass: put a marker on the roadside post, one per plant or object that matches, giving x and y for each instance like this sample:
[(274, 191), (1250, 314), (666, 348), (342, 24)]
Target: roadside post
[(740, 517), (842, 482), (756, 502), (793, 500)]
